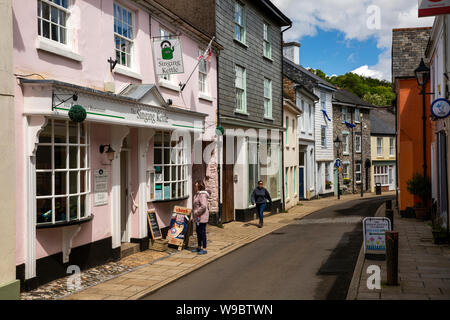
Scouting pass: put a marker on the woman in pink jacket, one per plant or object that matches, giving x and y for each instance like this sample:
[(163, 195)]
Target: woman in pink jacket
[(201, 215)]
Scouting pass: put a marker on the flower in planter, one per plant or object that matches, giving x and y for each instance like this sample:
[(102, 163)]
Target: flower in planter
[(328, 183), (347, 180), (419, 186)]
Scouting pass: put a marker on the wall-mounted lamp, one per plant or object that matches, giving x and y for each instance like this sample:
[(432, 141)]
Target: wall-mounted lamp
[(109, 152)]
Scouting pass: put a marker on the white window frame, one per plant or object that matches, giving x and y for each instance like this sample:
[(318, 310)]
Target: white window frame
[(60, 9), (379, 147), (358, 145), (311, 118), (346, 170), (180, 181), (381, 174), (203, 70), (345, 143), (357, 115), (302, 120), (267, 45), (129, 41), (358, 171), (323, 99), (323, 136), (241, 92), (391, 147), (267, 98), (239, 24), (344, 115), (86, 170)]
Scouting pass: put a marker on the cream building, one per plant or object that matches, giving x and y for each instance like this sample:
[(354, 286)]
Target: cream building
[(383, 145), (291, 154), (9, 286)]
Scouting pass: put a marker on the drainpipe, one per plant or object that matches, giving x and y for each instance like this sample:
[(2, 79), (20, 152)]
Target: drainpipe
[(220, 148), (282, 117)]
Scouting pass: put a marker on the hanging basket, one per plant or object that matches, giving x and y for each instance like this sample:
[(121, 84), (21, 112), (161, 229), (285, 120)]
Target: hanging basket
[(77, 113)]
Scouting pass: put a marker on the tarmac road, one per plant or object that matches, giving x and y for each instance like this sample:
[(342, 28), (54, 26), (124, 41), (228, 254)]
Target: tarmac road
[(312, 258)]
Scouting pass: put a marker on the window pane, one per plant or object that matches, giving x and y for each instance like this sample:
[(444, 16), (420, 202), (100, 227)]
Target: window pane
[(73, 182), (43, 184), (83, 162), (60, 183), (73, 132), (60, 131), (45, 11), (45, 29), (46, 134), (73, 157), (166, 156), (44, 157), (83, 179), (83, 204), (166, 173), (44, 210), (60, 157), (166, 139), (60, 209), (73, 208)]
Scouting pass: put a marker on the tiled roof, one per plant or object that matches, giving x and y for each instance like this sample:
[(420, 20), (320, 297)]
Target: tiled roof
[(345, 96), (300, 75), (382, 121), (408, 47)]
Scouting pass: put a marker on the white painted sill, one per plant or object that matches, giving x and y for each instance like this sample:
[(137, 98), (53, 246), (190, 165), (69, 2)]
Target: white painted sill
[(124, 71), (241, 112), (206, 97), (57, 48), (169, 85), (268, 118)]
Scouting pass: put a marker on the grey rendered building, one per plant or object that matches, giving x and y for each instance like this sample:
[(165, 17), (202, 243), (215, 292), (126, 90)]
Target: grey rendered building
[(250, 82)]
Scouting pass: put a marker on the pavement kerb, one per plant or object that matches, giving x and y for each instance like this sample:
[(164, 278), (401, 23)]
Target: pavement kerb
[(352, 293), (279, 225)]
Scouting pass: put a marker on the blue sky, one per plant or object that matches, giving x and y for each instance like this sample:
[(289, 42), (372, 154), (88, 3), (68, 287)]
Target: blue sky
[(330, 52)]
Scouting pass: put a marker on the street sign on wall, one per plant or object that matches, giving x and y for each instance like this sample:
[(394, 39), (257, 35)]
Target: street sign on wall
[(433, 7), (167, 55)]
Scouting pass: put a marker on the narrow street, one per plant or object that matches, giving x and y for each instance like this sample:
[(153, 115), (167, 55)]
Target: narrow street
[(313, 258)]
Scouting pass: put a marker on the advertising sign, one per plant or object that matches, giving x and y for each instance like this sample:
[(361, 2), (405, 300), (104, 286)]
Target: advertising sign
[(440, 108), (167, 55), (178, 227), (100, 187), (374, 229), (433, 7)]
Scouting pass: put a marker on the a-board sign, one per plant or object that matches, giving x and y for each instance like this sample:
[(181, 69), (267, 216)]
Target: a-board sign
[(153, 225), (179, 224), (374, 229)]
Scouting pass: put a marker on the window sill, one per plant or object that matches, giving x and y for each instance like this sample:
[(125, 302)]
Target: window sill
[(345, 153), (241, 112), (124, 71), (267, 58), (169, 85), (268, 118), (206, 97), (64, 223), (57, 48), (169, 200), (241, 43)]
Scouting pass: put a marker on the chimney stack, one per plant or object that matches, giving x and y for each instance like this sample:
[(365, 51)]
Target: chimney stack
[(291, 51)]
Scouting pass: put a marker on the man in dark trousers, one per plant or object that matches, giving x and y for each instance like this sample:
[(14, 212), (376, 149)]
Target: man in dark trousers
[(260, 196)]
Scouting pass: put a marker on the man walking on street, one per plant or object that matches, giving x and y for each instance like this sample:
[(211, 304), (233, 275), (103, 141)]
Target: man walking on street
[(260, 196)]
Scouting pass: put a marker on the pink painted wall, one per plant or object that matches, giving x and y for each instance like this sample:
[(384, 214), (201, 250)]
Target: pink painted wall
[(93, 26)]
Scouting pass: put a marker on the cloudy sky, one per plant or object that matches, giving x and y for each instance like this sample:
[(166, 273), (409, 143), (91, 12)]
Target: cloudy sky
[(339, 36)]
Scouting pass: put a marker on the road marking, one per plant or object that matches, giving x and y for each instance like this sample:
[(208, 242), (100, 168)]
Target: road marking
[(347, 220)]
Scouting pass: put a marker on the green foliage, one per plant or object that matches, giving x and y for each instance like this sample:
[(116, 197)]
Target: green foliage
[(420, 186), (374, 91)]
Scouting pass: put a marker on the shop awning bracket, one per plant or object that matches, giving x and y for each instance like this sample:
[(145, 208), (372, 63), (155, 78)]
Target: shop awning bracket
[(74, 97)]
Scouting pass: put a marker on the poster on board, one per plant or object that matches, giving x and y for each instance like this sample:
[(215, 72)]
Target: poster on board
[(100, 187), (178, 228), (374, 229)]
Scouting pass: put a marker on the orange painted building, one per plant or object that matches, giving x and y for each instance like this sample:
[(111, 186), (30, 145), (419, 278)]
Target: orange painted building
[(408, 47)]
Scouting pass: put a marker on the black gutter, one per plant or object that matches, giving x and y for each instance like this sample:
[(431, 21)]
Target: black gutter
[(220, 147)]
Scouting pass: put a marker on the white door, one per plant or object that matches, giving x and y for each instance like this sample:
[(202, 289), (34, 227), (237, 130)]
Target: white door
[(391, 178)]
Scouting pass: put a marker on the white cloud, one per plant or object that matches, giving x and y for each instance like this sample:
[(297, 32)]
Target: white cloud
[(357, 19), (367, 72)]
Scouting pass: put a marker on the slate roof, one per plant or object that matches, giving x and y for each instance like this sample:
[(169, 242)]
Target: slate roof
[(408, 47), (382, 122), (300, 75), (347, 97)]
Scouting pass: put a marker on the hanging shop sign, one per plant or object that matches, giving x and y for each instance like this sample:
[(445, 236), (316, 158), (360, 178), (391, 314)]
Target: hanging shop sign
[(433, 7), (178, 228), (167, 55), (440, 108), (100, 187), (374, 229)]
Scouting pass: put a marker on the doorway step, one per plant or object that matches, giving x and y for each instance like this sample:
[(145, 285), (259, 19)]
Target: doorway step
[(127, 249)]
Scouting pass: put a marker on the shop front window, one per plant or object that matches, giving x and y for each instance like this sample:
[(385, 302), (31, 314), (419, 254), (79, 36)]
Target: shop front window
[(170, 168), (253, 166), (62, 173), (270, 168)]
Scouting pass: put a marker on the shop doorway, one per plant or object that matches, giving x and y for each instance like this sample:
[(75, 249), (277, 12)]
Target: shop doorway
[(124, 193), (227, 187)]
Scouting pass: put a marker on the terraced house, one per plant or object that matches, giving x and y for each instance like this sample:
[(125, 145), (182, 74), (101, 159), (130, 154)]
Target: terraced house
[(249, 95)]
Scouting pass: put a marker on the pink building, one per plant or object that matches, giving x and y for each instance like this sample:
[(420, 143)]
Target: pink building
[(84, 189)]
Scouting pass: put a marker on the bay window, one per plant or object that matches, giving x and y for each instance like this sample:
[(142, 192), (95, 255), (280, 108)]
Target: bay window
[(52, 19), (62, 173), (170, 168)]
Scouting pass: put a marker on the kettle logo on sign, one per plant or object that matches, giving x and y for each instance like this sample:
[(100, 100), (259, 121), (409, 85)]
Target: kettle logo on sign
[(167, 50)]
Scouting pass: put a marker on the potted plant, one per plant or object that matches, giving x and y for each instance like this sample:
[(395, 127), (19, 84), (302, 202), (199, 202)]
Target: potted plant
[(420, 187), (328, 184), (347, 181)]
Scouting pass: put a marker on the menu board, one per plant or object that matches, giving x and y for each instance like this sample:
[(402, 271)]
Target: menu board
[(153, 225)]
